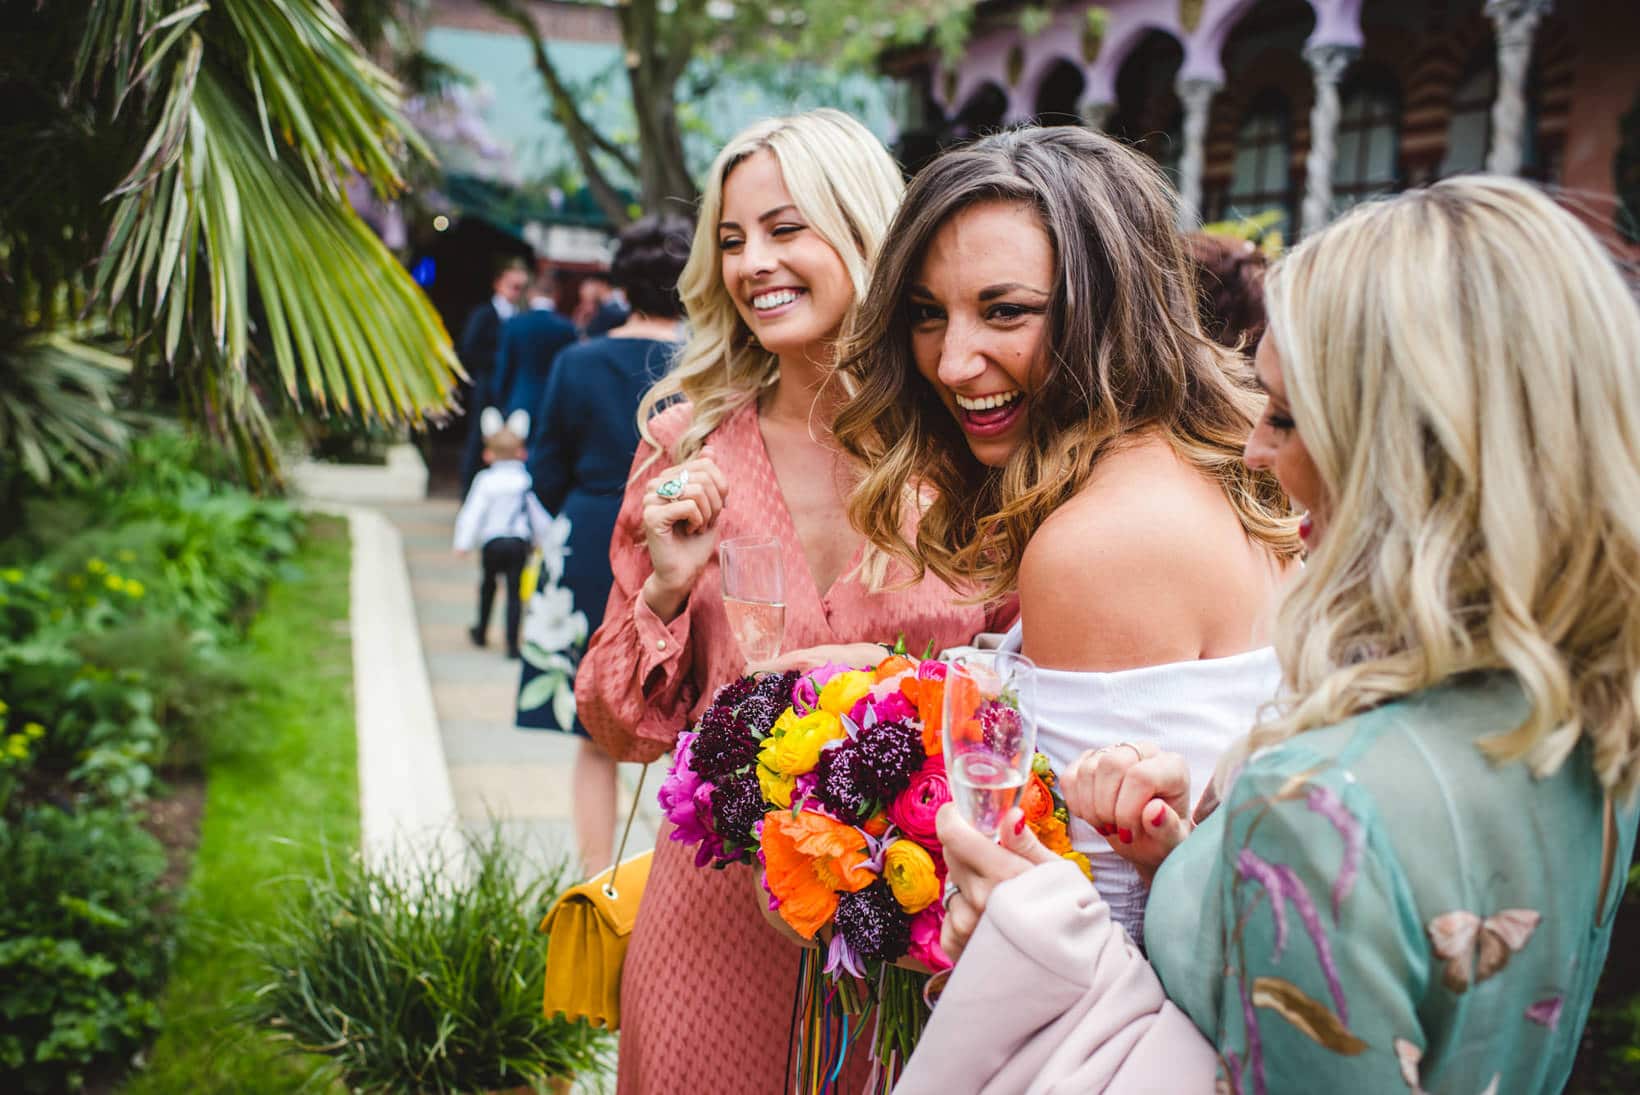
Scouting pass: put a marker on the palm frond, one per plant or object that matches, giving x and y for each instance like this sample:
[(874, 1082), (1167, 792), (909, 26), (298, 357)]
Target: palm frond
[(207, 203), (57, 403)]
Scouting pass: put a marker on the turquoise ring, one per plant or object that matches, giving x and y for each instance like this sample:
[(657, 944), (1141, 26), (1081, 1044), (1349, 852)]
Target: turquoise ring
[(674, 486)]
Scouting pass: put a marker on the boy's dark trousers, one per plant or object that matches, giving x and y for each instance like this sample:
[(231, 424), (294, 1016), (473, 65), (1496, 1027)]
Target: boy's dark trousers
[(504, 558)]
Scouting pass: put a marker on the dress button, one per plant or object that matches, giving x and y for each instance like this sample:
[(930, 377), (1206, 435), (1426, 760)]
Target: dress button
[(660, 644)]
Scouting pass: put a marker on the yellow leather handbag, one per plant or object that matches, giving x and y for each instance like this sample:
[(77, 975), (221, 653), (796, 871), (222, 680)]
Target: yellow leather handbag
[(588, 928)]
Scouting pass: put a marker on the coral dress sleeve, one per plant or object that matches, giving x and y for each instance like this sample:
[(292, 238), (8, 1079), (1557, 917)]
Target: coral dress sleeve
[(1065, 1001), (633, 688)]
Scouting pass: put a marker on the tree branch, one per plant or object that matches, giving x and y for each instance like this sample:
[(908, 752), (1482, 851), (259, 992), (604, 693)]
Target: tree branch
[(584, 139)]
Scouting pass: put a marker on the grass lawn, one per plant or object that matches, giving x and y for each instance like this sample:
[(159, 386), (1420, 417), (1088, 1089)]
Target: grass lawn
[(281, 787)]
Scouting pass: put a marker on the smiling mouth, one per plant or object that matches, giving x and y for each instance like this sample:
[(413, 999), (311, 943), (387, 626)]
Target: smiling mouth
[(776, 299), (987, 402), (990, 415)]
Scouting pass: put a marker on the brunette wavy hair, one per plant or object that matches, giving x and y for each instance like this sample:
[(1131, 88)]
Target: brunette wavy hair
[(1123, 347)]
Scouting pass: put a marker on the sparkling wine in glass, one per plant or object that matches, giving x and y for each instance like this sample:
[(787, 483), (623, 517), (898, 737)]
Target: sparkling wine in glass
[(754, 594), (989, 733)]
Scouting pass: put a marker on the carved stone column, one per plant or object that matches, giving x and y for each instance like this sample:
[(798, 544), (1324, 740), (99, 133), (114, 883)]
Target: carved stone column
[(1197, 96), (1516, 22), (1096, 114), (1328, 63)]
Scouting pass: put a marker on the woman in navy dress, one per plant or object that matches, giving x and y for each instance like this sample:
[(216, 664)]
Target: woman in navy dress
[(587, 432)]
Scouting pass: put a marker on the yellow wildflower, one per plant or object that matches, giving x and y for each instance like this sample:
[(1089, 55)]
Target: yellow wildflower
[(134, 588), (793, 746), (909, 870), (11, 574), (17, 746), (114, 582), (97, 566), (843, 691), (34, 730), (776, 787)]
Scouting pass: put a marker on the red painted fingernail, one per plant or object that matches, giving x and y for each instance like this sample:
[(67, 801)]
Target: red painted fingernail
[(1019, 826), (1125, 835), (1156, 818)]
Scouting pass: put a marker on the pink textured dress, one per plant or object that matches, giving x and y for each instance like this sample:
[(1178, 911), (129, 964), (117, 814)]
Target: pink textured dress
[(706, 995)]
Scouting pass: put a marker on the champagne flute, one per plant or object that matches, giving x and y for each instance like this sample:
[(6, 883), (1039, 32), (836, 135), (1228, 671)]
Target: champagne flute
[(754, 594), (989, 733)]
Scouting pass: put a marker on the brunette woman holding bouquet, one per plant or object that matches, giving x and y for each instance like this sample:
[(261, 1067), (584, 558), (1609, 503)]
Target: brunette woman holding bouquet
[(1029, 355), (793, 213), (1412, 879)]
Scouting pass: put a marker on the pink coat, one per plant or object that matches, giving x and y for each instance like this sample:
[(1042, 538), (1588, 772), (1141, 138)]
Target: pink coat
[(1065, 1001)]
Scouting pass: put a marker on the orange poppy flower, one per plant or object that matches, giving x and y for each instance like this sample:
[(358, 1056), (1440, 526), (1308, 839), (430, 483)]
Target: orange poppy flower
[(1036, 801), (929, 697), (1051, 832), (807, 859), (894, 663)]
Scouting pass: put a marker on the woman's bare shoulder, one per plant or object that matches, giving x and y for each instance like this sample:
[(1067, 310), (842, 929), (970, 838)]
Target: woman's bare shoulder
[(1126, 573)]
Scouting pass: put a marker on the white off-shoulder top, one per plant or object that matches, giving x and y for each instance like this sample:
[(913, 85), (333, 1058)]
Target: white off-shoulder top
[(1196, 709)]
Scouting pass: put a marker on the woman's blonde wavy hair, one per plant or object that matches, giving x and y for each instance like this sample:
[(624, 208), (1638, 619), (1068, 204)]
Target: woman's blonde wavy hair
[(1461, 364), (846, 187), (1125, 352)]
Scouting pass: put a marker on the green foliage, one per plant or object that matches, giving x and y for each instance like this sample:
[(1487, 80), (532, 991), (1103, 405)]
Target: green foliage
[(81, 944), (283, 782), (114, 622), (423, 977), (178, 211), (112, 633)]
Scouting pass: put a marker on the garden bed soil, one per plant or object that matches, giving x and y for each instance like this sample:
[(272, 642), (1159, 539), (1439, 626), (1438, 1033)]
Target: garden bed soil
[(174, 821)]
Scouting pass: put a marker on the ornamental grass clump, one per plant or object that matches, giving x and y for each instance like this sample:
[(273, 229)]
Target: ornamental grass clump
[(423, 977)]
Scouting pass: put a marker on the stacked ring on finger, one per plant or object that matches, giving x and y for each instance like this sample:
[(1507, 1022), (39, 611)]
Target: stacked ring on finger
[(951, 891), (673, 487)]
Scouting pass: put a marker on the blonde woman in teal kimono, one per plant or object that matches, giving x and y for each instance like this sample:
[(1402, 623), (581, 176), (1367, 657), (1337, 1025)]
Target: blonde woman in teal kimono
[(1409, 881)]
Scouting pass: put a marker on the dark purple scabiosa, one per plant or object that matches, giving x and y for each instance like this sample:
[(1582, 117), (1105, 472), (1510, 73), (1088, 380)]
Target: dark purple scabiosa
[(732, 693), (772, 695), (1001, 726), (722, 746), (891, 752), (842, 783), (737, 806), (873, 922)]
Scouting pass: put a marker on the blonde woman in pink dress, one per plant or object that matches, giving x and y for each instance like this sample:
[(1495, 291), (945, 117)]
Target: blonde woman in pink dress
[(793, 213)]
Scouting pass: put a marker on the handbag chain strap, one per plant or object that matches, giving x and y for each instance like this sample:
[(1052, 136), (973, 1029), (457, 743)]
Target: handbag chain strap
[(620, 853)]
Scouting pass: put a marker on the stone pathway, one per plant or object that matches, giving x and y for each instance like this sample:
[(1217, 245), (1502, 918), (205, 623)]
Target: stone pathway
[(518, 779)]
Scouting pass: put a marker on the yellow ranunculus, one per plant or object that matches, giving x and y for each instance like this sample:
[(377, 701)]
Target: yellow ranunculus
[(1081, 861), (776, 788), (843, 691), (793, 746), (910, 874)]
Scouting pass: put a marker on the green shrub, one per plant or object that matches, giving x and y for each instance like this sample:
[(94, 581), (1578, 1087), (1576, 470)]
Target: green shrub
[(422, 978), (82, 948)]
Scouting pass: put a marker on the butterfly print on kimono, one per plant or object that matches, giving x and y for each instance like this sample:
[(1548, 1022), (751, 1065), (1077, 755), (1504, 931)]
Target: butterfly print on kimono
[(1476, 948)]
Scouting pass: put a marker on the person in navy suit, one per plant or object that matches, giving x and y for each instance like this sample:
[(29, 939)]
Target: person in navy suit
[(477, 348), (530, 341)]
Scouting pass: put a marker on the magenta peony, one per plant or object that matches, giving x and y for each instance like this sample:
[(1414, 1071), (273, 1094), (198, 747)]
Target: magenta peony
[(913, 809)]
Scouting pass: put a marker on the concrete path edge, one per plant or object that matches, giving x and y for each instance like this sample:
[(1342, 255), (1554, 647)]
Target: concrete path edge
[(406, 805)]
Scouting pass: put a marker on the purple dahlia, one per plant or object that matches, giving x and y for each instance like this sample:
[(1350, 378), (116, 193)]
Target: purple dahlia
[(732, 693), (1001, 726), (873, 923), (891, 752), (722, 746), (737, 806), (843, 783)]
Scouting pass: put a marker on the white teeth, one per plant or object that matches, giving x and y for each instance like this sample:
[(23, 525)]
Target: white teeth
[(990, 402), (773, 299)]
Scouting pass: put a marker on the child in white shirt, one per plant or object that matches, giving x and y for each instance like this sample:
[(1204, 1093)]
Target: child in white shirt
[(503, 517)]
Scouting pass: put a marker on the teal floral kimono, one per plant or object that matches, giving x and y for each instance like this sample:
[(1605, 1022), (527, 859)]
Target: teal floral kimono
[(1379, 908)]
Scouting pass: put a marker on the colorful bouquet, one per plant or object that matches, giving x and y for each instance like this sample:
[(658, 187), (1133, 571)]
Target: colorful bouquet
[(829, 782)]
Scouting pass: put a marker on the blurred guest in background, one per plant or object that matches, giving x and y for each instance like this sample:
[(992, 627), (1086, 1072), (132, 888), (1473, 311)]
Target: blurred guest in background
[(479, 343), (1229, 288), (586, 434), (530, 341)]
